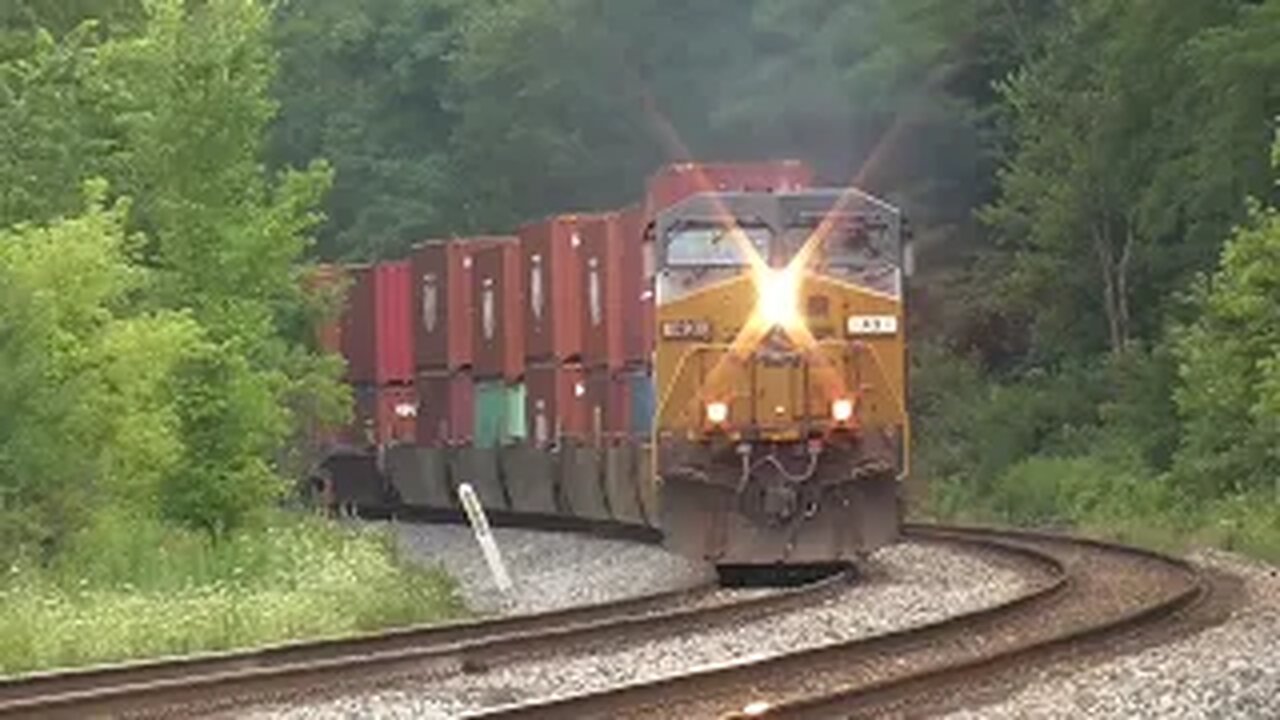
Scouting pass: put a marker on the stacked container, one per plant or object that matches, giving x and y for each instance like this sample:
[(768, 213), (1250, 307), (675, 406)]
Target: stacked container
[(379, 355), (613, 316), (442, 310), (556, 404), (498, 342), (324, 279), (551, 266)]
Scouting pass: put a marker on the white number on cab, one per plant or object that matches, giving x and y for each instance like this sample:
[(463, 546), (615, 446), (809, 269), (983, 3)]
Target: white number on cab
[(872, 325)]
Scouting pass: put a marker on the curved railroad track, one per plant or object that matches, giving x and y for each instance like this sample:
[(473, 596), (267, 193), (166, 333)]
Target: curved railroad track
[(214, 680), (1096, 591), (1085, 590)]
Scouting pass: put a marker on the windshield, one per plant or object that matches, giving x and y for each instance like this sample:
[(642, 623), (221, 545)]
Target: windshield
[(714, 244), (847, 244)]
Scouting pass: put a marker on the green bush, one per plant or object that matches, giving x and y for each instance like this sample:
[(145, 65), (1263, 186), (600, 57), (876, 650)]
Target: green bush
[(132, 588), (1074, 491), (971, 429)]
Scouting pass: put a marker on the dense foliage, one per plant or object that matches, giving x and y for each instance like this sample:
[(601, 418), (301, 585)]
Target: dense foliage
[(1092, 184), (156, 373), (151, 339), (1072, 169)]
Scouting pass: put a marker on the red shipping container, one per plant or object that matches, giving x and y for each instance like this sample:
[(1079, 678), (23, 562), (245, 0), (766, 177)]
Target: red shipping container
[(608, 405), (323, 279), (498, 313), (555, 403), (446, 408), (674, 183), (442, 280), (636, 309), (385, 414), (613, 282), (552, 262), (376, 330)]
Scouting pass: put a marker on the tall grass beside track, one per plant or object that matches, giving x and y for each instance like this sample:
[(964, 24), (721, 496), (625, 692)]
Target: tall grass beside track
[(1098, 497), (134, 589)]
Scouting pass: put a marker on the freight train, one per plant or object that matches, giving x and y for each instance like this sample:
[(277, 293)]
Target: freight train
[(724, 361)]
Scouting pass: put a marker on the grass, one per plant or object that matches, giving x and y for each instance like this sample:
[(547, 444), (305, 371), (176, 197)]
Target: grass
[(135, 589), (1098, 498)]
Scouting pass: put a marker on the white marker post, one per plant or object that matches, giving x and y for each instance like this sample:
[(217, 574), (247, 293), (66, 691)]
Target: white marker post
[(484, 536)]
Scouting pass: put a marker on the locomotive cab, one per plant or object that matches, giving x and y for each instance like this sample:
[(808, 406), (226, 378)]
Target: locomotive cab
[(781, 431)]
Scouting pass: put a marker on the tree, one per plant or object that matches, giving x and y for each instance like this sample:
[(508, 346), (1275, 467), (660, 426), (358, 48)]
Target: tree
[(174, 116), (87, 418), (192, 103), (362, 84), (50, 128), (1229, 365), (1095, 201)]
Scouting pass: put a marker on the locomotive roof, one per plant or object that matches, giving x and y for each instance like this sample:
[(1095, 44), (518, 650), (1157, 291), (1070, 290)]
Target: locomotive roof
[(778, 210)]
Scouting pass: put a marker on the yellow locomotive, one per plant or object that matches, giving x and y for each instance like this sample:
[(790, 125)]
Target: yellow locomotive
[(781, 432)]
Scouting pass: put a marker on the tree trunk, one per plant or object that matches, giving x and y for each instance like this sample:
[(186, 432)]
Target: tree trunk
[(1122, 285), (1115, 282), (1109, 290)]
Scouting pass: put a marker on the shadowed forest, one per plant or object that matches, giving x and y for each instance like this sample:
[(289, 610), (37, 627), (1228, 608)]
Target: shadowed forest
[(1095, 312)]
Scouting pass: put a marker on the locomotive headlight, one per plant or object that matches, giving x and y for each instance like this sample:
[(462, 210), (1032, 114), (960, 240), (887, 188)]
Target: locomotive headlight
[(842, 410), (717, 412), (779, 297)]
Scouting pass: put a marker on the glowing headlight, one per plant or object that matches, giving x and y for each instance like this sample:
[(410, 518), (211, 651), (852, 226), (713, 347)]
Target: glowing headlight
[(779, 292), (842, 410), (717, 412)]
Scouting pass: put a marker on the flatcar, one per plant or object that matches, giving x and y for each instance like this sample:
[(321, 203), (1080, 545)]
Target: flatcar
[(781, 432)]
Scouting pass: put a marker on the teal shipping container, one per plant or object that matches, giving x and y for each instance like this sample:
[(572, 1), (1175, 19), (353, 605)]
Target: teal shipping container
[(499, 414), (640, 385)]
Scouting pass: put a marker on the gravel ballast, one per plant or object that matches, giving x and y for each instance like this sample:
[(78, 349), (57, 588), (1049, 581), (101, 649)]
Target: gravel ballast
[(549, 570), (1228, 671), (922, 583)]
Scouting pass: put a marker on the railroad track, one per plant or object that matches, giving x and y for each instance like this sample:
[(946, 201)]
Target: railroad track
[(1085, 590), (1096, 591), (211, 681)]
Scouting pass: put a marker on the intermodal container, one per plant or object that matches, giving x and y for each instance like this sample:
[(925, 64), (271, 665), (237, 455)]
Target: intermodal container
[(603, 267), (617, 312), (442, 293), (551, 262), (608, 405), (322, 280), (676, 182), (383, 414), (643, 404), (446, 408), (498, 315), (499, 413), (376, 333), (636, 313), (555, 403)]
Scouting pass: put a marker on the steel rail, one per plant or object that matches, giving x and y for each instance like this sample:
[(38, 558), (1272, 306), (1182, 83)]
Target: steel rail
[(420, 652), (30, 685), (724, 691), (866, 701)]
